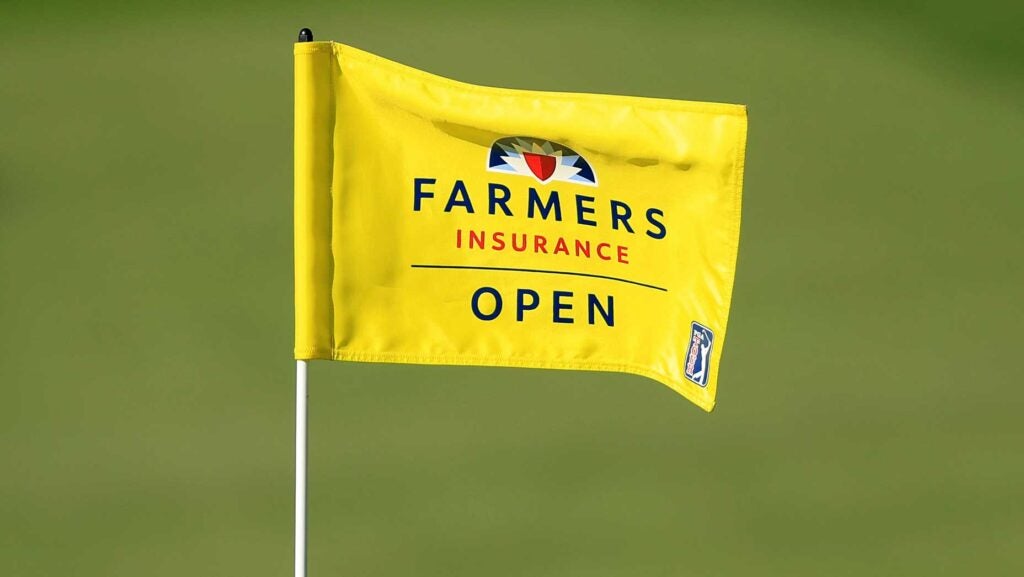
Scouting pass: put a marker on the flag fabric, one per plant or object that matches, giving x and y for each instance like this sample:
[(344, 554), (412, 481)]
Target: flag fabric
[(438, 222)]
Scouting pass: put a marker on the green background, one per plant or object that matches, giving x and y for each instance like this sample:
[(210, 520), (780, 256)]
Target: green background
[(869, 414)]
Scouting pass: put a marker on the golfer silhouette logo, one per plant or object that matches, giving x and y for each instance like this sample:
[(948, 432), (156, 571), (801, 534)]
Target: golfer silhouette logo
[(698, 356)]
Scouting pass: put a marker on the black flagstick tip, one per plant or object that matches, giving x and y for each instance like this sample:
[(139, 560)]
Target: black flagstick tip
[(305, 35)]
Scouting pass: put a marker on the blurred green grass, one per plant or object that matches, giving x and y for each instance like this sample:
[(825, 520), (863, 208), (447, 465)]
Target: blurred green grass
[(868, 411)]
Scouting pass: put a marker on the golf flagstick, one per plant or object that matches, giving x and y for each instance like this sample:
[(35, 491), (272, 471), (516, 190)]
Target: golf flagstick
[(300, 468), (301, 401)]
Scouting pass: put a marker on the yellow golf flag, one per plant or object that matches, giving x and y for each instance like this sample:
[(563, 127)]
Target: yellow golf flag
[(439, 222)]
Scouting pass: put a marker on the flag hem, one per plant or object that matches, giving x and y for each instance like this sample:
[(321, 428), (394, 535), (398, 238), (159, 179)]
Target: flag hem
[(699, 396), (344, 50), (739, 163)]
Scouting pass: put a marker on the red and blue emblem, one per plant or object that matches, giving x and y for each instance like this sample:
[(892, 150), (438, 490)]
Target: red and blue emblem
[(546, 161), (698, 354)]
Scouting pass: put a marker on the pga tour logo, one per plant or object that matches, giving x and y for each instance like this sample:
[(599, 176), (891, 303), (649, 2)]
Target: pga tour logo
[(698, 354), (543, 160)]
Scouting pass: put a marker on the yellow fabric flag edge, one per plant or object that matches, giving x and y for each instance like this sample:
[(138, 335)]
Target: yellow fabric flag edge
[(314, 159), (312, 187)]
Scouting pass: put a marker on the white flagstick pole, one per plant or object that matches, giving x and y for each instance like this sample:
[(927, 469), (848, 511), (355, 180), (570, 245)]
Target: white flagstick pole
[(301, 401), (301, 398)]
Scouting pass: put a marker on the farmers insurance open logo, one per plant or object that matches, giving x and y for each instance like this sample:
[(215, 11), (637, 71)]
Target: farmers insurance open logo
[(545, 161), (594, 229)]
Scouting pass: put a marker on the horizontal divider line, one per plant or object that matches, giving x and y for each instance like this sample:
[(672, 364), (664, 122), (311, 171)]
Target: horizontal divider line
[(539, 271)]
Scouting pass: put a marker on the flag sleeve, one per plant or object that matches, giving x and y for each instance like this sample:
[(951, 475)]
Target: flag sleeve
[(314, 130)]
